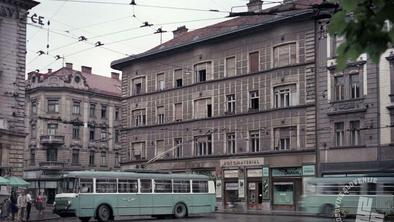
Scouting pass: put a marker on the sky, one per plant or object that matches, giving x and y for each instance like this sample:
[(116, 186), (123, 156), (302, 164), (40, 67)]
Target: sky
[(116, 25)]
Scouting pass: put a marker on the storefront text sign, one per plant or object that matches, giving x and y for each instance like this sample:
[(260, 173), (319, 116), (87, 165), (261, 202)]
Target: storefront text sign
[(255, 173), (242, 162), (283, 172), (308, 170), (231, 174), (8, 12)]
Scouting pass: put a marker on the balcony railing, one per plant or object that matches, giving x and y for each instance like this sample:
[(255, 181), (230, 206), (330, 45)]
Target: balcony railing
[(52, 164), (52, 139)]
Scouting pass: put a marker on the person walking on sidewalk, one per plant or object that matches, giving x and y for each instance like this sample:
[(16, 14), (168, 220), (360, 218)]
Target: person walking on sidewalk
[(22, 203), (40, 203), (13, 207), (28, 207)]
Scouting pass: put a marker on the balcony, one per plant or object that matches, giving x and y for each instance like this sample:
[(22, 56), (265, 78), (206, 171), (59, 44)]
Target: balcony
[(52, 139), (52, 165)]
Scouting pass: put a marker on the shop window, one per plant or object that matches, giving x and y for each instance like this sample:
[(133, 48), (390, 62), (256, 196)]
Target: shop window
[(203, 145), (230, 104), (283, 193), (253, 62), (230, 67), (254, 141), (284, 54), (202, 108)]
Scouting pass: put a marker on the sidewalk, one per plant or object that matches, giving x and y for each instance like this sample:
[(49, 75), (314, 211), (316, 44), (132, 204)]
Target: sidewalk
[(265, 212)]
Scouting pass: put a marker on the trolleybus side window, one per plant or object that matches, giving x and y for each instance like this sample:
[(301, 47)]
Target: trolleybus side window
[(146, 185), (86, 186), (163, 186), (329, 188), (200, 186), (105, 185), (127, 186), (181, 186), (370, 189), (388, 188)]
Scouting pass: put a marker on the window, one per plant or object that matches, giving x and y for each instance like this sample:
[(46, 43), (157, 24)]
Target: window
[(202, 108), (253, 62), (231, 149), (254, 141), (146, 186), (117, 111), (117, 159), (76, 132), (86, 186), (103, 111), (388, 188), (203, 145), (105, 185), (103, 158), (339, 133), (139, 117), (33, 131), (230, 103), (178, 111), (34, 107), (200, 186), (160, 81), (92, 154), (117, 136), (103, 135), (137, 151), (163, 186), (203, 72), (178, 77), (52, 127), (285, 96), (92, 134), (335, 42), (230, 67), (160, 114), (178, 151), (76, 107), (181, 186), (137, 86), (51, 154), (159, 147), (339, 88), (75, 156), (354, 86), (32, 157), (284, 55), (354, 133), (127, 186), (92, 110), (285, 138), (254, 100), (53, 106)]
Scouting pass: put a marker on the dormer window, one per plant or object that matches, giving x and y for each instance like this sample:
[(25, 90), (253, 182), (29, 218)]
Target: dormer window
[(33, 79), (77, 79)]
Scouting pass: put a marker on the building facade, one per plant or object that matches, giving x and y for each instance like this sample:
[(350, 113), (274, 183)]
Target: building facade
[(354, 112), (235, 101), (13, 16), (74, 124)]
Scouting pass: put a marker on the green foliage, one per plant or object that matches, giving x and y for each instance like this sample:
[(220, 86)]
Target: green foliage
[(362, 23)]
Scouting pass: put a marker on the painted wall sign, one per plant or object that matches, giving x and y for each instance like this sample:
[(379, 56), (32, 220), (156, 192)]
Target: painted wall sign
[(36, 19), (242, 162)]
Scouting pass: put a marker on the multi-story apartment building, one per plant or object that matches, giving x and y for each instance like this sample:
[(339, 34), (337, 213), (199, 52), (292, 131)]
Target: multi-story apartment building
[(235, 100), (354, 111), (13, 16), (74, 123)]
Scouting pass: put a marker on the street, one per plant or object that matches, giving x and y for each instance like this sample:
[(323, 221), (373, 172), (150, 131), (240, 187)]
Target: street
[(219, 217)]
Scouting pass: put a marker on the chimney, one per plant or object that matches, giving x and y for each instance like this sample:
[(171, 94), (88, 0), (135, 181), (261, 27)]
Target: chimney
[(86, 69), (180, 30), (49, 71), (255, 5), (69, 65), (115, 75)]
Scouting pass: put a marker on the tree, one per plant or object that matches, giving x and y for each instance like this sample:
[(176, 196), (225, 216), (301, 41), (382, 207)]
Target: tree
[(363, 24)]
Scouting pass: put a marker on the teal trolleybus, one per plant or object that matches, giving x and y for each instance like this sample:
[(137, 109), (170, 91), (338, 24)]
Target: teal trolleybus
[(340, 196), (105, 195)]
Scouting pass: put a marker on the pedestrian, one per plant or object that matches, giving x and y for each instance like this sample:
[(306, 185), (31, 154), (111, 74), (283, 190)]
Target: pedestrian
[(22, 203), (5, 209), (40, 203), (28, 207), (14, 207)]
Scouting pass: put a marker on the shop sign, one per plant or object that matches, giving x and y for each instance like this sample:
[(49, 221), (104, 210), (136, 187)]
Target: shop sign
[(242, 162), (266, 188), (308, 170), (231, 186), (231, 174), (241, 188), (218, 188), (255, 173), (286, 172), (251, 186), (266, 172)]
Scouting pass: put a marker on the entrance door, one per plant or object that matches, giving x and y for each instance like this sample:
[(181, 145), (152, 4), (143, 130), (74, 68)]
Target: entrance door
[(50, 193), (255, 196)]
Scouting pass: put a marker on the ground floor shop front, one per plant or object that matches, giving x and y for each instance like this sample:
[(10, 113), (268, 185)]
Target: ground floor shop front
[(266, 182)]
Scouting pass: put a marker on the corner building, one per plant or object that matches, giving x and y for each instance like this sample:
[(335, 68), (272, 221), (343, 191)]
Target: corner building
[(13, 14), (74, 124), (235, 100)]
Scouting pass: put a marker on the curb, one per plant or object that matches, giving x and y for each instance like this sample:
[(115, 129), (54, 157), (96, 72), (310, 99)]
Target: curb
[(45, 219), (272, 213)]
